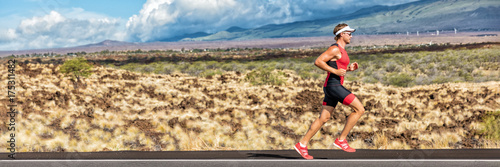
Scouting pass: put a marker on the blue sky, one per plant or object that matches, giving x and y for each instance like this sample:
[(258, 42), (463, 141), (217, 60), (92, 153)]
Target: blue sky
[(29, 8), (36, 24), (13, 11)]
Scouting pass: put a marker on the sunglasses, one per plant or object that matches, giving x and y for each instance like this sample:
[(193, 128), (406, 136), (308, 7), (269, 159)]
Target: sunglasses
[(348, 33)]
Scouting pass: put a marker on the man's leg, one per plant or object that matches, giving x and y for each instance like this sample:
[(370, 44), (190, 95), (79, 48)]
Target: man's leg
[(353, 117), (301, 147), (316, 125)]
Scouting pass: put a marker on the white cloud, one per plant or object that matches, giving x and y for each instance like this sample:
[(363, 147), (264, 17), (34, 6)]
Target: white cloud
[(8, 35), (160, 19), (56, 30), (168, 18)]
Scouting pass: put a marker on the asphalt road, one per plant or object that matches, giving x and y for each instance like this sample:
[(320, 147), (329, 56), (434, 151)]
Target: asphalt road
[(260, 158)]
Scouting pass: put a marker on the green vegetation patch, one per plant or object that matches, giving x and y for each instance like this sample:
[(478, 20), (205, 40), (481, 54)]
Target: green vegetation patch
[(491, 125), (265, 77), (398, 69)]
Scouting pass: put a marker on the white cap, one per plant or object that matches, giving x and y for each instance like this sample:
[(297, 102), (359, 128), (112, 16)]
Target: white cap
[(347, 28)]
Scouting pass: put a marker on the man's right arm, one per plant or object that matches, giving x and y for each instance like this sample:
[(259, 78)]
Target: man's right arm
[(331, 53)]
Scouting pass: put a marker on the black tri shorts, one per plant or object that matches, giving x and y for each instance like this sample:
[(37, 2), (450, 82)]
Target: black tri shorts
[(335, 94)]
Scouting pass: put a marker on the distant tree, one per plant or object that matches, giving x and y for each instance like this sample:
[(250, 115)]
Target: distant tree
[(105, 51), (76, 68)]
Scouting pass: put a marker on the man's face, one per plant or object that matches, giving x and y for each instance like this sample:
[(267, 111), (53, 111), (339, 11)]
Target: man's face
[(347, 37)]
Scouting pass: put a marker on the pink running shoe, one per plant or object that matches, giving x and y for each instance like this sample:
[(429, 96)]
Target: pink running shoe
[(303, 151), (343, 145)]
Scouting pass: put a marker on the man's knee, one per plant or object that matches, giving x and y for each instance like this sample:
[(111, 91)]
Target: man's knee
[(360, 110), (324, 118), (357, 106)]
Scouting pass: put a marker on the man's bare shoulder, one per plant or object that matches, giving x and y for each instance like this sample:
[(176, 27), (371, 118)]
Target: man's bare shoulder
[(334, 48), (334, 51)]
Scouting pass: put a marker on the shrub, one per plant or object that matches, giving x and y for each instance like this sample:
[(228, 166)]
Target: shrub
[(131, 67), (312, 75), (265, 77), (167, 69), (401, 79), (148, 69), (76, 68), (369, 79), (491, 124), (441, 79), (391, 66), (211, 72), (229, 66)]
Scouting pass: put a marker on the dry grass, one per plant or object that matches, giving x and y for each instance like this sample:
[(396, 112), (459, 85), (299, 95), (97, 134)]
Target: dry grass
[(121, 110)]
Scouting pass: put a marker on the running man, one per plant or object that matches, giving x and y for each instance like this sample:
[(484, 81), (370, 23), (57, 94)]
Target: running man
[(335, 61)]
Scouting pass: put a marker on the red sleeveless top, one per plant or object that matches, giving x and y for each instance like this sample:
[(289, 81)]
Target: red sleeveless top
[(332, 79)]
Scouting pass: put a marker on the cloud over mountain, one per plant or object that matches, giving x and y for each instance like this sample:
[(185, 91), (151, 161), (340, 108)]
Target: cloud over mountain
[(56, 30), (160, 19)]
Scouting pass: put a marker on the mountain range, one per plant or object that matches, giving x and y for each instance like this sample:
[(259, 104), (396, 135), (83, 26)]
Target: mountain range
[(422, 16)]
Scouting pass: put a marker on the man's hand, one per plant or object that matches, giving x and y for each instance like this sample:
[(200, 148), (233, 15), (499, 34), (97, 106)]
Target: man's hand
[(353, 66), (340, 72)]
